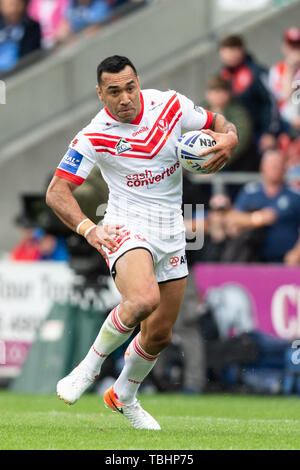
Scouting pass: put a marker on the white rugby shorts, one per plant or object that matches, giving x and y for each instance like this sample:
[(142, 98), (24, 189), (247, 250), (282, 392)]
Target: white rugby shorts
[(169, 257)]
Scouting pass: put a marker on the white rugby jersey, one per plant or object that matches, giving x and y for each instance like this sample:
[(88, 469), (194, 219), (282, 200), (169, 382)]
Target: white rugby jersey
[(138, 160)]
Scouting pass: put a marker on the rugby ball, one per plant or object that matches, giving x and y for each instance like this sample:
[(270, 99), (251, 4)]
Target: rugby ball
[(188, 148)]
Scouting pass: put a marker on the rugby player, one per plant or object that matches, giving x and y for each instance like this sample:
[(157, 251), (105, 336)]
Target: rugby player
[(132, 140)]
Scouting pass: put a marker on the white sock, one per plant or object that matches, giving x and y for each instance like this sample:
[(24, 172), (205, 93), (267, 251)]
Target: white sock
[(138, 365), (112, 334)]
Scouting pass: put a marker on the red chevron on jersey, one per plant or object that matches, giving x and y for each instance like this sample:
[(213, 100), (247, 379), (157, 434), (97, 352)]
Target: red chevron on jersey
[(167, 107), (148, 157), (150, 148), (146, 145)]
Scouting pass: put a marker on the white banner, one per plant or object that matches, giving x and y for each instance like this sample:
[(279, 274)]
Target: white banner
[(27, 293), (242, 5)]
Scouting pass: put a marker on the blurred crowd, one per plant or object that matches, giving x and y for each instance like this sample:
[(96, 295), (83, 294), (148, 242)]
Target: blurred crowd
[(29, 26), (260, 221), (257, 222)]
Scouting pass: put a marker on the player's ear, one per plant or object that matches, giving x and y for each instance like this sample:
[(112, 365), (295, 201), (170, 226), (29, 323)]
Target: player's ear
[(138, 80), (99, 93)]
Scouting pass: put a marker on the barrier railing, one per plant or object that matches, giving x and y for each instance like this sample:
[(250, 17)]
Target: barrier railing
[(218, 181)]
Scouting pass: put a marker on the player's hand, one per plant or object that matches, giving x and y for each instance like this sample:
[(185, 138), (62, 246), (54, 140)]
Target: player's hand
[(102, 235), (225, 144)]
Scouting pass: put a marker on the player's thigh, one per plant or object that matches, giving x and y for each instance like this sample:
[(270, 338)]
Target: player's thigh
[(135, 278), (156, 330)]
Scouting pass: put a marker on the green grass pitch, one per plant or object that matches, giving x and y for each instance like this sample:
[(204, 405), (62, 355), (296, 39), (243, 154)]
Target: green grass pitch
[(188, 422)]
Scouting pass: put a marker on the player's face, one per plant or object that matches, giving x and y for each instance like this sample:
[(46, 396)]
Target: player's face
[(120, 92)]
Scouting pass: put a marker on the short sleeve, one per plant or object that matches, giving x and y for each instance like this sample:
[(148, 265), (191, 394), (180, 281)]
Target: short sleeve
[(194, 117), (78, 162)]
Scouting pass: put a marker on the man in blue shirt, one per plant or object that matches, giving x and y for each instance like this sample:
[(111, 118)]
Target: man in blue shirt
[(275, 206), (19, 34), (87, 13)]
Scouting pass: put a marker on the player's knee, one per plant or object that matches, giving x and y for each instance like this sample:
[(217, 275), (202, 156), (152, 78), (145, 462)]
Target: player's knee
[(145, 305)]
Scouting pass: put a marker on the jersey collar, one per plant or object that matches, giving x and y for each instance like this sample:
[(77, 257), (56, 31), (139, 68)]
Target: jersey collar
[(139, 117)]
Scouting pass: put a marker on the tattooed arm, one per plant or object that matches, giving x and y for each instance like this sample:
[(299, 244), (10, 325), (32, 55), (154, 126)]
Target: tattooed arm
[(226, 137)]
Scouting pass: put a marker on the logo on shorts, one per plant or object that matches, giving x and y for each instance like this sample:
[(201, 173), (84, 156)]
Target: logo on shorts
[(163, 125), (123, 146), (174, 261), (183, 259), (139, 237)]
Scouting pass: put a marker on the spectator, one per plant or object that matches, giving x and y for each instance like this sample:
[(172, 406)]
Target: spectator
[(293, 177), (271, 204), (27, 248), (51, 14), (51, 247), (87, 15), (19, 35), (284, 78), (37, 245), (223, 242), (248, 82), (219, 99), (291, 148), (216, 230)]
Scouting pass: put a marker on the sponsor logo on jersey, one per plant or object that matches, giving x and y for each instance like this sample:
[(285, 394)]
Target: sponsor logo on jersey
[(140, 131), (123, 146), (174, 261), (147, 178), (163, 125), (110, 125), (155, 105), (71, 161)]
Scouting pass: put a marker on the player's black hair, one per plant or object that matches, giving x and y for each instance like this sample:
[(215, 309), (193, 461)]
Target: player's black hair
[(113, 64)]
